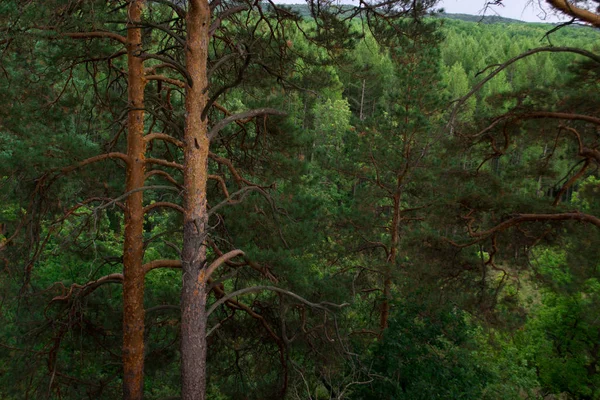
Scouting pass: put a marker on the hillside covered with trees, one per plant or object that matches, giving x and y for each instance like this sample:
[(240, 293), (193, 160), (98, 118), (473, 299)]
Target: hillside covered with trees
[(250, 200)]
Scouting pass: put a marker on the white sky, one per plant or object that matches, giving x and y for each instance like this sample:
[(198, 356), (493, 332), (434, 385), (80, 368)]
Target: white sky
[(525, 10)]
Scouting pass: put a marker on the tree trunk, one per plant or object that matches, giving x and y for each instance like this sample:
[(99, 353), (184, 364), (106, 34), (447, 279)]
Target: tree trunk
[(362, 100), (133, 252), (195, 218), (391, 263)]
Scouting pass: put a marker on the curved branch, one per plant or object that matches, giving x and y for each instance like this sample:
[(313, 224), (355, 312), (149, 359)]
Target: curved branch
[(172, 264), (163, 136), (222, 183), (140, 189), (321, 306), (173, 5), (164, 174), (224, 258), (242, 193), (519, 218), (242, 116), (166, 60), (95, 159), (575, 12), (571, 181), (164, 204), (560, 115), (95, 35), (460, 102), (234, 304), (163, 28), (175, 82), (89, 287), (236, 175), (164, 163)]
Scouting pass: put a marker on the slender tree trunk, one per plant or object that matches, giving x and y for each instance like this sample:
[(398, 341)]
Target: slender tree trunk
[(362, 100), (193, 294), (133, 274), (391, 263)]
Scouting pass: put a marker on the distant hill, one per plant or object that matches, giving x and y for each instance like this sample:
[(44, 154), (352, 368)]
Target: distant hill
[(302, 9), (484, 19)]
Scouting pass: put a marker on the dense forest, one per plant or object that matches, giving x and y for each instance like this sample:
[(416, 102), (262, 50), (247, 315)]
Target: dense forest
[(249, 200)]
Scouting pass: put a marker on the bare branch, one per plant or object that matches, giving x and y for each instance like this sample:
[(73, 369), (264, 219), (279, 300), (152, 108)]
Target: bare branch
[(163, 136), (94, 159), (519, 218), (140, 189), (95, 35), (89, 287), (242, 116), (224, 258), (321, 306), (172, 264), (460, 102), (175, 82)]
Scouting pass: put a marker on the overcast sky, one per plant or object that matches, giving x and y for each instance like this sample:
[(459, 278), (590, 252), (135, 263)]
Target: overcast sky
[(524, 10)]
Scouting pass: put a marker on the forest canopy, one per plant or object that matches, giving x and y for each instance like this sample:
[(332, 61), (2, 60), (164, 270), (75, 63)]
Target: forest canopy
[(252, 200)]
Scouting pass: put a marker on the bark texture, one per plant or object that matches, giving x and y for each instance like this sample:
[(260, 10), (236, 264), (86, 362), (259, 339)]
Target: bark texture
[(133, 272), (195, 218)]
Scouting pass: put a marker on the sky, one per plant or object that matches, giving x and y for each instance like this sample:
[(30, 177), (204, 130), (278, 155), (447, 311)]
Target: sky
[(524, 10)]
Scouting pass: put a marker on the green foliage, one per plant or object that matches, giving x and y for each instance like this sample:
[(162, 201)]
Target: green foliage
[(505, 315), (425, 354)]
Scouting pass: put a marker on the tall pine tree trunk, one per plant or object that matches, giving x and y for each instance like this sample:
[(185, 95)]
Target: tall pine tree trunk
[(133, 274), (195, 218)]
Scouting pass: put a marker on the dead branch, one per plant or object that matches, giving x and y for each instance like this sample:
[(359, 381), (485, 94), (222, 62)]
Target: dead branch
[(246, 115), (89, 287), (321, 306)]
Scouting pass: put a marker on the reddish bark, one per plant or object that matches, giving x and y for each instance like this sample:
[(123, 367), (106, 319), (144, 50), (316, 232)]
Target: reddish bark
[(570, 9), (195, 217), (133, 252)]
